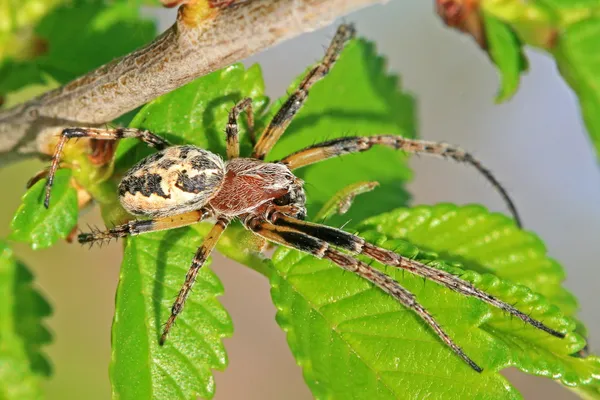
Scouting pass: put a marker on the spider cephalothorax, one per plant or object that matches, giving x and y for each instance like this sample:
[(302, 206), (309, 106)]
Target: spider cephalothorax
[(181, 185), (252, 186)]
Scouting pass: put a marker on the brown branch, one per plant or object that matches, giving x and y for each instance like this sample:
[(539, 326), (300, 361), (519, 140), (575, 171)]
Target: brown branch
[(208, 35)]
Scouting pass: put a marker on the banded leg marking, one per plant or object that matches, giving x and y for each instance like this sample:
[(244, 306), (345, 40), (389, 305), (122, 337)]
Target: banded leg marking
[(137, 227), (288, 110), (199, 259), (232, 129), (357, 144), (358, 245), (321, 249)]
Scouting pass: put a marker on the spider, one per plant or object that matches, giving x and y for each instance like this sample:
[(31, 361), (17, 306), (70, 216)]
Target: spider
[(182, 185)]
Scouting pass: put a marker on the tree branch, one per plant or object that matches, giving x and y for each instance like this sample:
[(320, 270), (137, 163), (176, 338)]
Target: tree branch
[(208, 35)]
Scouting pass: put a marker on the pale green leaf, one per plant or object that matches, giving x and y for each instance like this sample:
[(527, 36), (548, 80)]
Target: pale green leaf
[(41, 227), (506, 51), (569, 30), (153, 270), (22, 334), (575, 55), (354, 341)]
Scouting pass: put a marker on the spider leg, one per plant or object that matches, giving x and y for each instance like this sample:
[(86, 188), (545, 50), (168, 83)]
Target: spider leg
[(137, 227), (233, 142), (341, 202), (147, 137), (201, 255), (321, 249), (357, 144), (357, 245), (288, 110)]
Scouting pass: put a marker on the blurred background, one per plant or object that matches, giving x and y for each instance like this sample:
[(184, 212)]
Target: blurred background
[(536, 145)]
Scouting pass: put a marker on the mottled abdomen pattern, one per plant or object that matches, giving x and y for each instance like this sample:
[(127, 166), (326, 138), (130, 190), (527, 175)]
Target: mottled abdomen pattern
[(172, 181)]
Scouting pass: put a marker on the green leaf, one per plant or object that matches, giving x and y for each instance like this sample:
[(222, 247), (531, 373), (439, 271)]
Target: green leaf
[(354, 341), (488, 243), (153, 271), (569, 30), (154, 266), (357, 97), (77, 38), (197, 113), (41, 227), (506, 51), (491, 243), (21, 332), (581, 69)]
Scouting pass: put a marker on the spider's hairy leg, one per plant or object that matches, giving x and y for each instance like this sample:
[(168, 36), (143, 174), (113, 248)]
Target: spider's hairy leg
[(357, 245), (356, 144), (321, 249), (147, 137), (233, 141), (341, 202), (199, 259), (137, 227), (288, 110)]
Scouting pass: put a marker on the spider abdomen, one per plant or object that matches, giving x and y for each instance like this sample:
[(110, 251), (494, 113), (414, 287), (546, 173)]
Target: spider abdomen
[(172, 181)]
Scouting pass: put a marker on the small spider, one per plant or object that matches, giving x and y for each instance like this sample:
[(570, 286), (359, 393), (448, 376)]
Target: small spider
[(182, 185)]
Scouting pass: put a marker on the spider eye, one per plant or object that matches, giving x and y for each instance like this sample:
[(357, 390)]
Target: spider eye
[(301, 215), (284, 200), (294, 198)]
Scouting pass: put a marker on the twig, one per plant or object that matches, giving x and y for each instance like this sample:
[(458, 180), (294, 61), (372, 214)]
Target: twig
[(208, 35)]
